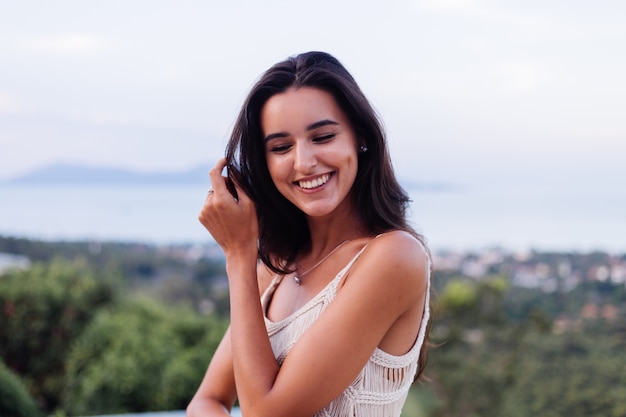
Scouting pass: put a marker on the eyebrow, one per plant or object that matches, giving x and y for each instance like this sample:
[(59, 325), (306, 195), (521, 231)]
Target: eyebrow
[(312, 126)]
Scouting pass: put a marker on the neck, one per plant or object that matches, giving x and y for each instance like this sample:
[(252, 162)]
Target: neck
[(329, 231)]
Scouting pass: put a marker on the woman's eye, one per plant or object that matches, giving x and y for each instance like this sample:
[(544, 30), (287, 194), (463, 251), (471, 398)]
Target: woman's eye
[(324, 138), (279, 148)]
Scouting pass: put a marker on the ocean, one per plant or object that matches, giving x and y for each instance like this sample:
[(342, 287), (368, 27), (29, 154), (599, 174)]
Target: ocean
[(462, 218)]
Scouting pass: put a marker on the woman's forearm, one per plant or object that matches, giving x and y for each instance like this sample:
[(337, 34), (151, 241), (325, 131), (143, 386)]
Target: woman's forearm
[(204, 407), (255, 366)]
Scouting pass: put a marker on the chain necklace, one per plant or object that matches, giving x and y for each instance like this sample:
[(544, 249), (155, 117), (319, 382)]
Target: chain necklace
[(298, 277)]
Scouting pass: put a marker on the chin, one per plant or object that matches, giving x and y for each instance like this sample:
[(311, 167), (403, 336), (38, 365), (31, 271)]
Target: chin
[(320, 211)]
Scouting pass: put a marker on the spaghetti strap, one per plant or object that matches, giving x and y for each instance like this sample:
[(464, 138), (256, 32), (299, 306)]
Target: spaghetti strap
[(269, 291), (346, 269)]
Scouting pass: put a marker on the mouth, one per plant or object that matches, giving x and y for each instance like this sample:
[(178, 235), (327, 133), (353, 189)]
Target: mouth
[(315, 182)]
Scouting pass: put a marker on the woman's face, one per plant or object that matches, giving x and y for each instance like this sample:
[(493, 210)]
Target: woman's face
[(311, 149)]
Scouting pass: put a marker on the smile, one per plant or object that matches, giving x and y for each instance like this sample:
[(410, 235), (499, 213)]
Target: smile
[(314, 183)]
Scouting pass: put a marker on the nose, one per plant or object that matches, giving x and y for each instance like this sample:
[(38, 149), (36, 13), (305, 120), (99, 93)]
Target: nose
[(305, 156)]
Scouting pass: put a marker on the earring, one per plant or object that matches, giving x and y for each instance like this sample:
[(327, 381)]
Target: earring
[(363, 148)]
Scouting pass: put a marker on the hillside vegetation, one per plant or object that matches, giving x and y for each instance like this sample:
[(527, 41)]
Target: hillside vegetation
[(104, 327)]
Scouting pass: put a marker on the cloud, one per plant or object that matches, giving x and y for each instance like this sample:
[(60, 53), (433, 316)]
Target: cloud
[(67, 44)]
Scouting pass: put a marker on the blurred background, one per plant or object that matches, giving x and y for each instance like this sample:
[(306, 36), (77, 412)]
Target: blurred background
[(506, 126)]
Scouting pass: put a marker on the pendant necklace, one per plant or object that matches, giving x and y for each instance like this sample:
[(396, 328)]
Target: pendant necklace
[(298, 277)]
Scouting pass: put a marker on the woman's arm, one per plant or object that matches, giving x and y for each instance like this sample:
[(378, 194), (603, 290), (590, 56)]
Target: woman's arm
[(216, 395), (217, 392), (385, 289), (384, 292)]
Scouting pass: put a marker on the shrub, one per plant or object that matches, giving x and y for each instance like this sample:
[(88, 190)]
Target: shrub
[(15, 401), (42, 310), (140, 357)]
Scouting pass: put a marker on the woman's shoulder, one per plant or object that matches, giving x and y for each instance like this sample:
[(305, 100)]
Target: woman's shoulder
[(399, 246), (398, 253)]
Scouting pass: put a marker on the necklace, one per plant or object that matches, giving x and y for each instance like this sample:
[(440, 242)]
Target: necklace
[(298, 277)]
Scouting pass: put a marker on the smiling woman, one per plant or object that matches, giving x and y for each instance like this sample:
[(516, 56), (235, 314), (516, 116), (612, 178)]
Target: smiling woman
[(310, 194)]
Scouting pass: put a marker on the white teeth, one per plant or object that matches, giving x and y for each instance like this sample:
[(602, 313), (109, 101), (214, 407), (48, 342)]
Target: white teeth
[(314, 183)]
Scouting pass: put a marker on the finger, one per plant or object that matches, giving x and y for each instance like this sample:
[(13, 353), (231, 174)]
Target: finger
[(217, 179)]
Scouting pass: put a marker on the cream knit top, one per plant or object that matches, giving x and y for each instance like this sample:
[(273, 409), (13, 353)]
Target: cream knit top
[(382, 386)]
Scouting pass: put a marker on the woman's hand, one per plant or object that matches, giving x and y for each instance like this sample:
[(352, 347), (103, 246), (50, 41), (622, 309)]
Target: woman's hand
[(231, 221)]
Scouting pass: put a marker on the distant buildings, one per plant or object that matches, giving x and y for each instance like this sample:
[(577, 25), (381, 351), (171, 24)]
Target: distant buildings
[(545, 271)]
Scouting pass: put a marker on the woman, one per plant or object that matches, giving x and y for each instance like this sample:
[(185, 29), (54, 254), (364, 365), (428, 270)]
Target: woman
[(312, 223)]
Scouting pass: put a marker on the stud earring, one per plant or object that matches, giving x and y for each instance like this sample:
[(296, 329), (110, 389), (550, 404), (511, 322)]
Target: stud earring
[(363, 148)]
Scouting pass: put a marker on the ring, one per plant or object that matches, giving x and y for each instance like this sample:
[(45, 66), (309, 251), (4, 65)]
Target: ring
[(210, 191)]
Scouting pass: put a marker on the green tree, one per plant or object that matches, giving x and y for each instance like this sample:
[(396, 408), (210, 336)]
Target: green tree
[(139, 357), (15, 401), (200, 336), (576, 374), (42, 310), (474, 359)]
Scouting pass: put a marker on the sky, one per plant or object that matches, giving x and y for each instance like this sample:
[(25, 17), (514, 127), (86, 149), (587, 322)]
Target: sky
[(527, 93)]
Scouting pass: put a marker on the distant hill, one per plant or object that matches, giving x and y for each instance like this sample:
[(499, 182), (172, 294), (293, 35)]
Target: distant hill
[(81, 174)]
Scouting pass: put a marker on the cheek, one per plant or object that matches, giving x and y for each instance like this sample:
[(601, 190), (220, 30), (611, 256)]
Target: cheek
[(352, 160), (276, 170)]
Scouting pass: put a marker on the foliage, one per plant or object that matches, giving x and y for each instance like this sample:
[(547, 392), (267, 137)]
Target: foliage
[(488, 362), (72, 338), (174, 274), (15, 401), (97, 327), (183, 374), (139, 357), (570, 375), (205, 271), (135, 259), (42, 310), (468, 379)]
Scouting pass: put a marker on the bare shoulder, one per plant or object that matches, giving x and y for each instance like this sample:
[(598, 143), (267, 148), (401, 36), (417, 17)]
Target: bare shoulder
[(398, 257), (400, 247)]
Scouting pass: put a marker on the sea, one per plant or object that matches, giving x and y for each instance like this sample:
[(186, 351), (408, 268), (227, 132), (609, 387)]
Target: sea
[(462, 218)]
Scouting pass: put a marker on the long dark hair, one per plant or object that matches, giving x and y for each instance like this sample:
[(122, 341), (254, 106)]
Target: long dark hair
[(283, 229)]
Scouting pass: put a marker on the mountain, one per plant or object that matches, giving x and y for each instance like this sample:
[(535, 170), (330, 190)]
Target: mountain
[(81, 174)]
